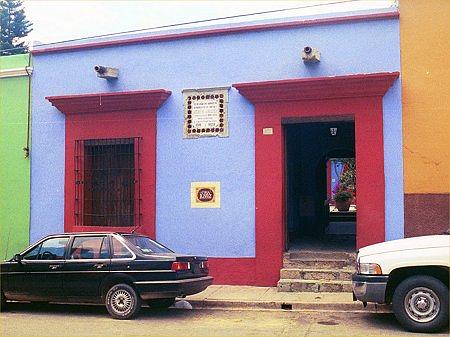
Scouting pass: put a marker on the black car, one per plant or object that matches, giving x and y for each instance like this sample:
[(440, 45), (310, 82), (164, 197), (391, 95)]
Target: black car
[(117, 269)]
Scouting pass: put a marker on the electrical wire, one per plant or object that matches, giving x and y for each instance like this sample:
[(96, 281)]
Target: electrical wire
[(184, 23)]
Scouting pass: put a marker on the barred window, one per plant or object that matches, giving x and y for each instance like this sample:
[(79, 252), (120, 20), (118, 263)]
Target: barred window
[(107, 182)]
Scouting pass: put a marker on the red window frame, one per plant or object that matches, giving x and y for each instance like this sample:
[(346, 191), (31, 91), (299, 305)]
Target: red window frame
[(112, 115)]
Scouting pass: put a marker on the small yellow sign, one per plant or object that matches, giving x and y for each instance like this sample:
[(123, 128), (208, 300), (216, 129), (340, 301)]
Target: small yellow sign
[(205, 194)]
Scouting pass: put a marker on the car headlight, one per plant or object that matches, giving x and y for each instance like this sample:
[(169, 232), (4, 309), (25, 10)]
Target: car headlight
[(369, 268)]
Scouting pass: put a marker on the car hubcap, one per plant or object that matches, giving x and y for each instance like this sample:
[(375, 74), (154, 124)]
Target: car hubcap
[(422, 304), (121, 301)]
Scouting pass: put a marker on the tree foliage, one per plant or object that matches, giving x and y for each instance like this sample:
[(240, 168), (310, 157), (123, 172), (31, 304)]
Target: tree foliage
[(14, 26), (347, 179)]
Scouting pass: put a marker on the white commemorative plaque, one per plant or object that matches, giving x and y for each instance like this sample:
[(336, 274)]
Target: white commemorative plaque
[(205, 112)]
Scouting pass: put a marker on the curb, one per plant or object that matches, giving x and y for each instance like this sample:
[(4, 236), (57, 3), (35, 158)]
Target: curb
[(288, 306)]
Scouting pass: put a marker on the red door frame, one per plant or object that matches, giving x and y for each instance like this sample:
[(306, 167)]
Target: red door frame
[(355, 96), (112, 115)]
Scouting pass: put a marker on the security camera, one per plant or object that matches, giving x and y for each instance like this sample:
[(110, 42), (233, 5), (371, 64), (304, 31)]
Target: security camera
[(106, 72), (100, 69), (307, 50), (310, 54)]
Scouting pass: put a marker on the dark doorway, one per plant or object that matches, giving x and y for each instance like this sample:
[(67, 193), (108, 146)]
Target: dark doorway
[(317, 154)]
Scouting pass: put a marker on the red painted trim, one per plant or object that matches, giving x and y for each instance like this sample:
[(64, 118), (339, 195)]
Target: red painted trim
[(119, 116), (110, 101), (236, 271), (358, 85), (269, 214), (278, 100), (221, 31), (370, 176)]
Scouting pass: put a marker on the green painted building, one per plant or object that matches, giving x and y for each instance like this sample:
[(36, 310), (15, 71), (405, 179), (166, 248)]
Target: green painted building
[(14, 159)]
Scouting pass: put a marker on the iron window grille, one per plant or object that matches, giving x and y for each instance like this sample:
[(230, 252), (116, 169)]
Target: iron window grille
[(108, 182)]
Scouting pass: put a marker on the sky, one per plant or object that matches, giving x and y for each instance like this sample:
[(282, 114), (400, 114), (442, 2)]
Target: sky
[(64, 20)]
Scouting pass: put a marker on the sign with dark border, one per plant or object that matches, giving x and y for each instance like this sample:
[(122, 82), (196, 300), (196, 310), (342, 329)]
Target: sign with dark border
[(205, 194), (205, 112)]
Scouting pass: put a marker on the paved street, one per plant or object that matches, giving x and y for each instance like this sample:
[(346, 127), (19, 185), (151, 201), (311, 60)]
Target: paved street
[(64, 320)]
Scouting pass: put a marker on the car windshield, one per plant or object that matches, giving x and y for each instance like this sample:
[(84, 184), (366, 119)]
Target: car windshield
[(146, 245)]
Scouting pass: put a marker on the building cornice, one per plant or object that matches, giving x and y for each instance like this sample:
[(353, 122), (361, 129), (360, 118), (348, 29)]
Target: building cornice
[(16, 72), (145, 100), (359, 85)]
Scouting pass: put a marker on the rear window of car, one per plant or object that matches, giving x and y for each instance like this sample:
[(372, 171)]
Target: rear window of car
[(146, 245), (119, 250)]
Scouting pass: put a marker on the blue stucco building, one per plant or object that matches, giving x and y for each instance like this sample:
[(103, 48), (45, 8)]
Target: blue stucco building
[(257, 61)]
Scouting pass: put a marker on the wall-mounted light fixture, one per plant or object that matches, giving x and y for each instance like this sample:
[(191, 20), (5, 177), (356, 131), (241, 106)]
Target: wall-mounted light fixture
[(333, 131), (310, 55), (106, 72)]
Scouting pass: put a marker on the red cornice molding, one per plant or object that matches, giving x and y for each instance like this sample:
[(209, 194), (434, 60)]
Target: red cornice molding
[(110, 102), (360, 85), (221, 31)]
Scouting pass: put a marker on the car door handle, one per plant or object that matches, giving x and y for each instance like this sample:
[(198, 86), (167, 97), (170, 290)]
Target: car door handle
[(99, 265), (54, 266)]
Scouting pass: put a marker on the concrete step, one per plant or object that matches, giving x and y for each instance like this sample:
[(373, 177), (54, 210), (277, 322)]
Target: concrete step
[(344, 274), (295, 285), (317, 263), (309, 254)]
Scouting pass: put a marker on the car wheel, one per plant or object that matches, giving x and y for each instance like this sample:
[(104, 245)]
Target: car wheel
[(3, 303), (161, 303), (420, 304), (122, 301)]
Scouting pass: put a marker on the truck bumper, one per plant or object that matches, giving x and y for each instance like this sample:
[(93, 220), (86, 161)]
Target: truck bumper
[(369, 288), (173, 288)]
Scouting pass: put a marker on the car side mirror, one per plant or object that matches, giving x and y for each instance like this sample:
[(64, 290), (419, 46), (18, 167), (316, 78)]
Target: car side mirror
[(17, 258)]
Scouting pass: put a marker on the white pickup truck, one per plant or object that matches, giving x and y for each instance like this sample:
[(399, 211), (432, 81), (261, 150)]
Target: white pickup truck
[(412, 274)]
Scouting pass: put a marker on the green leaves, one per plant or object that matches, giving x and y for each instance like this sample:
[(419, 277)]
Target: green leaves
[(14, 26), (347, 179)]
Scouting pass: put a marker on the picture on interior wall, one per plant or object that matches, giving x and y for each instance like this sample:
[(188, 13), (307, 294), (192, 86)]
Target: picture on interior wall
[(343, 184)]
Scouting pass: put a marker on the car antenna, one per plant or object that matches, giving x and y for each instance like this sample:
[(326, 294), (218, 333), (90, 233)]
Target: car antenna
[(135, 228)]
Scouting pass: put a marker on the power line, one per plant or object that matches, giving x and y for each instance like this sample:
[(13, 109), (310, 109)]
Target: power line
[(185, 23)]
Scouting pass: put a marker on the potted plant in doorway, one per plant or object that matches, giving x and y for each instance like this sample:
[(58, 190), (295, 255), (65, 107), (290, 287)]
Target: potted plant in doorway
[(345, 192), (343, 199)]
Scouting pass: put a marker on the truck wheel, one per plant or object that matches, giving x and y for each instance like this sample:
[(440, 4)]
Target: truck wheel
[(122, 301), (420, 304)]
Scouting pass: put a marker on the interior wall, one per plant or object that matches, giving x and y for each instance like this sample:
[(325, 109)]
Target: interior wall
[(307, 146)]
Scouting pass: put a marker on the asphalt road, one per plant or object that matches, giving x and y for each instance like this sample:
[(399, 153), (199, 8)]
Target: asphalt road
[(64, 320)]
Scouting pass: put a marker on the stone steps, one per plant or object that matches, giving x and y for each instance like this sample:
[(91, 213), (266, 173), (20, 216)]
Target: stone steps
[(344, 274), (305, 254), (317, 271), (317, 263), (296, 285)]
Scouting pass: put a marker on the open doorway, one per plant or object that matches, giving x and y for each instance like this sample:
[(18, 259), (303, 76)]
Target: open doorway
[(320, 178)]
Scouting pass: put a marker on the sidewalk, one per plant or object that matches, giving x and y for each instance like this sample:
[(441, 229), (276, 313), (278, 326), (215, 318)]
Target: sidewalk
[(258, 298)]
